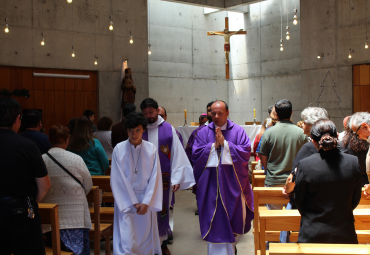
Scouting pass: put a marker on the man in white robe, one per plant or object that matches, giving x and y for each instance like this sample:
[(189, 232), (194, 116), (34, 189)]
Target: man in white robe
[(137, 189), (176, 169)]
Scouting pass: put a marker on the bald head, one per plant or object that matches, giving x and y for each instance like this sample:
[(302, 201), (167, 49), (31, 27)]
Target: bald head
[(162, 112), (219, 112)]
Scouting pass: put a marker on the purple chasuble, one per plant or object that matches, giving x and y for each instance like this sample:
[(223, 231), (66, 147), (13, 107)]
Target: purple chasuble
[(164, 151), (220, 190), (180, 137)]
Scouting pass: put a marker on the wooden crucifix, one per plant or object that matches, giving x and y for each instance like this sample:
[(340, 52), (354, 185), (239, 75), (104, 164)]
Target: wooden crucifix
[(227, 34)]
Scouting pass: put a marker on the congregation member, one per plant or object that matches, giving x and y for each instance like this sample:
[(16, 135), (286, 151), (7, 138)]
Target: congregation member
[(344, 132), (136, 182), (225, 200), (177, 172), (71, 125), (328, 189), (32, 123), (257, 140), (119, 132), (352, 145), (104, 135), (84, 144), (163, 113), (24, 182), (68, 192), (203, 119), (309, 116), (91, 116), (189, 146), (279, 147)]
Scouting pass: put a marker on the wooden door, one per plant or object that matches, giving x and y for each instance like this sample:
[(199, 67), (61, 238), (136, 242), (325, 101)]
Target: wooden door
[(59, 99), (361, 88)]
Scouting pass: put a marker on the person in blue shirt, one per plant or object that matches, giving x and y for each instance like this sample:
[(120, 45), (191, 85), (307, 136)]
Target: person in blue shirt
[(84, 144), (32, 125)]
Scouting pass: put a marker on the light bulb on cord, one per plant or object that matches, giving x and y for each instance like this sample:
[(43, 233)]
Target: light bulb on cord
[(111, 23), (6, 26), (73, 52), (281, 45), (69, 1), (295, 22), (43, 39), (349, 55), (96, 61), (131, 38), (149, 51), (287, 33)]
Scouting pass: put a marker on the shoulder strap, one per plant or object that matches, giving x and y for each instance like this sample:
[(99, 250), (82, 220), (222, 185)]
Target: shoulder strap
[(68, 172)]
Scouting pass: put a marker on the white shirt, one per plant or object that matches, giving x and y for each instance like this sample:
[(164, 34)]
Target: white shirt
[(105, 138), (66, 192)]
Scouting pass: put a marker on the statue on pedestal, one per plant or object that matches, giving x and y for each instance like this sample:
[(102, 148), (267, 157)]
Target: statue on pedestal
[(128, 88)]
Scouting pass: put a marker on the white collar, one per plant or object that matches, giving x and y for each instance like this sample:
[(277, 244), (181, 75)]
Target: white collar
[(207, 123), (156, 124), (137, 146), (224, 126)]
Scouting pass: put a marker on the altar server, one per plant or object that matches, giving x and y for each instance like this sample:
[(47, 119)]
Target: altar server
[(136, 183)]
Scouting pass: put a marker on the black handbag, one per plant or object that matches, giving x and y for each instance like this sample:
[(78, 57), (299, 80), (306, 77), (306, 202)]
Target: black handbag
[(68, 172)]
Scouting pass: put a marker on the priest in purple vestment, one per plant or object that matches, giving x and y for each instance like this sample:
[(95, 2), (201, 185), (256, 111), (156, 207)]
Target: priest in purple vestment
[(225, 200)]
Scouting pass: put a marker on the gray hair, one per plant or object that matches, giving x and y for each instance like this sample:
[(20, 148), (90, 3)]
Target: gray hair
[(359, 118), (312, 114)]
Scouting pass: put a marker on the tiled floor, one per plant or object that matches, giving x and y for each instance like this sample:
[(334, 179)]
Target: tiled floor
[(187, 239)]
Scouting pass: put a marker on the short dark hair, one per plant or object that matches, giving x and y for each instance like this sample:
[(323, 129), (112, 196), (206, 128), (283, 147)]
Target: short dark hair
[(283, 109), (88, 113), (226, 106), (71, 125), (148, 102), (128, 109), (31, 118), (210, 104), (104, 123), (58, 134), (165, 112), (10, 109), (202, 117), (269, 109), (135, 119)]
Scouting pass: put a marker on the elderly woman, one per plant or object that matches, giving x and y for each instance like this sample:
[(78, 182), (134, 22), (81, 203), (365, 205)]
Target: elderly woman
[(67, 192), (328, 189), (84, 144), (104, 135)]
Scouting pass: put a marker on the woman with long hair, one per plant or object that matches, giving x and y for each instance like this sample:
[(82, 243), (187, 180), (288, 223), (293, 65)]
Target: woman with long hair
[(84, 144), (328, 189)]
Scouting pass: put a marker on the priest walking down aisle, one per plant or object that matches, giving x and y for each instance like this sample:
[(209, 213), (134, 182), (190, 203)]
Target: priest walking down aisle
[(177, 172), (225, 200)]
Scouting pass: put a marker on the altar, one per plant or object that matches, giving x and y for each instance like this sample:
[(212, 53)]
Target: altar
[(251, 131)]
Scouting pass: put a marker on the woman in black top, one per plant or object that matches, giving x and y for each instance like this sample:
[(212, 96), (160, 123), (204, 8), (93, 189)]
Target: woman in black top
[(328, 189)]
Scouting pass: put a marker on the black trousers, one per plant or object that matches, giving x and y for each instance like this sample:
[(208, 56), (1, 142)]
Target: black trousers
[(19, 234)]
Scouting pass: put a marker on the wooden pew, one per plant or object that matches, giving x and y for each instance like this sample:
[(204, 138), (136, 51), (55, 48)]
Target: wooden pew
[(258, 180), (104, 184), (274, 195), (289, 220), (318, 249), (110, 161), (107, 172), (99, 230), (254, 163), (49, 215)]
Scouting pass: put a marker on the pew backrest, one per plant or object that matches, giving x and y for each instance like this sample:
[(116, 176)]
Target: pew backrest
[(318, 249), (50, 215)]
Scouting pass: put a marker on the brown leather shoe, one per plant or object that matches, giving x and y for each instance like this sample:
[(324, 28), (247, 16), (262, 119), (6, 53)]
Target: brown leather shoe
[(165, 250)]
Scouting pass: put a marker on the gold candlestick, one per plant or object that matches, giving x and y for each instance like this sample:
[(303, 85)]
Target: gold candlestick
[(185, 124)]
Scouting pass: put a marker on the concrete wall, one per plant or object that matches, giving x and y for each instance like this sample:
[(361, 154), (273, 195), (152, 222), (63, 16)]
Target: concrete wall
[(186, 68), (332, 27), (21, 46)]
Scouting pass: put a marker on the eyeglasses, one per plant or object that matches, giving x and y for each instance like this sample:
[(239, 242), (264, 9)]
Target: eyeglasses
[(357, 130)]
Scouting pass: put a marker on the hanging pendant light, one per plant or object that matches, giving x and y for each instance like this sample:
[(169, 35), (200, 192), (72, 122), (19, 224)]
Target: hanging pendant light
[(281, 45), (6, 26), (43, 39), (350, 55), (111, 23), (73, 52), (149, 51), (69, 1), (96, 60), (287, 33), (131, 39)]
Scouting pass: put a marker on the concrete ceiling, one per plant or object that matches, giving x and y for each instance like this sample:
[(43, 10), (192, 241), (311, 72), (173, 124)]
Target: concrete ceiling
[(218, 4)]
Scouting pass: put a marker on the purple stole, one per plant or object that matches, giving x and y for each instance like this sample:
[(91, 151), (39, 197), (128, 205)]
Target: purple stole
[(164, 153)]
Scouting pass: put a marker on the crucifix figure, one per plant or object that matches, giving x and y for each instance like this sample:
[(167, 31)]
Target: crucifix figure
[(227, 34)]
